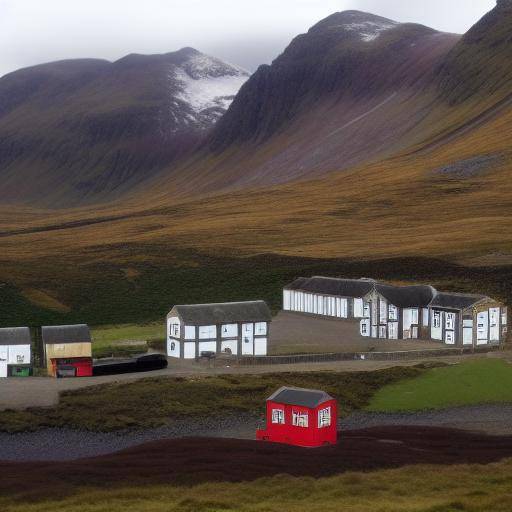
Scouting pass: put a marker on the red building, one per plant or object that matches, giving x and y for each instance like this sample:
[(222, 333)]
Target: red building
[(301, 417), (73, 367)]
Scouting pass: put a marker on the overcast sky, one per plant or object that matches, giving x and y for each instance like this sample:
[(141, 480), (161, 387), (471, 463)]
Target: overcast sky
[(245, 32)]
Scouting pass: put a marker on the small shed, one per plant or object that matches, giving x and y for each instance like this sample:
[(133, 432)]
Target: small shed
[(68, 350), (300, 417), (15, 352), (231, 328)]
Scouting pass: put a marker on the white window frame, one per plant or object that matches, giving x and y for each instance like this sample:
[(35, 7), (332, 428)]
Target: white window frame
[(358, 308), (207, 332), (229, 330), (449, 321), (392, 312), (300, 419), (190, 332), (278, 416), (260, 328), (324, 417)]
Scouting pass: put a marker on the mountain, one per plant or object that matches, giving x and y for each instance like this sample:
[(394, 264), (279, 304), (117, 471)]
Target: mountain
[(481, 63), (354, 88), (88, 130)]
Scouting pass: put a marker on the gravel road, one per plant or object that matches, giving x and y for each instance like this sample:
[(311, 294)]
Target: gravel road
[(64, 444)]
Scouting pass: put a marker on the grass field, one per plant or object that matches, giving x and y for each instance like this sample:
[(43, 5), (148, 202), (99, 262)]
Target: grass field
[(473, 382), (155, 402), (125, 339), (468, 488)]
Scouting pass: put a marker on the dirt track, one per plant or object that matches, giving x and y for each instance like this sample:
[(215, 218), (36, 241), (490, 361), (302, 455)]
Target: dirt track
[(196, 460)]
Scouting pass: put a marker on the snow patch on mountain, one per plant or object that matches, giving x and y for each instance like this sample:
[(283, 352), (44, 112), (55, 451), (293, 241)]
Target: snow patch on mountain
[(207, 86), (370, 30)]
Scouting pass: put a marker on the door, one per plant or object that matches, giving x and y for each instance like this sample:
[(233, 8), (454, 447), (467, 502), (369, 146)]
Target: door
[(482, 328), (3, 360), (393, 330), (494, 324), (247, 339)]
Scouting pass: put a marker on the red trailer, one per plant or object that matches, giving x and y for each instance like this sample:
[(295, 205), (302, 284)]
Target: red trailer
[(72, 367), (300, 417)]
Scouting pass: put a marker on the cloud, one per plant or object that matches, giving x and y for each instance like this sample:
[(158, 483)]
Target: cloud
[(245, 32)]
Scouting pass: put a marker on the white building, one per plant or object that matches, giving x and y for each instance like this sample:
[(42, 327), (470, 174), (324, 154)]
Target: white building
[(235, 328), (15, 350), (401, 312)]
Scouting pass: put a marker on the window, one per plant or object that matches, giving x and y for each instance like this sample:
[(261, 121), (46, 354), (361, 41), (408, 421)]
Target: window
[(364, 328), (278, 416), (383, 311), (425, 317), (207, 332), (437, 319), (229, 330), (190, 332), (382, 331), (324, 417), (260, 328), (450, 321), (173, 346), (414, 316), (366, 310), (300, 419), (358, 308), (393, 312)]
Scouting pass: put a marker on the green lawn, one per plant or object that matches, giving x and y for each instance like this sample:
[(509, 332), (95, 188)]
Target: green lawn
[(473, 382), (125, 339)]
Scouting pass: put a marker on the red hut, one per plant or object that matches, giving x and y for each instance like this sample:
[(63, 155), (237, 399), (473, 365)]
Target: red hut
[(301, 417)]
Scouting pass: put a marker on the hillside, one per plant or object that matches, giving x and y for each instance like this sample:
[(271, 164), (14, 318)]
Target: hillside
[(435, 208), (84, 131)]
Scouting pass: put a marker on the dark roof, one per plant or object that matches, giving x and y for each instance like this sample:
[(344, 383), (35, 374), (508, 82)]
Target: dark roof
[(61, 334), (406, 296), (297, 396), (456, 300), (15, 336), (333, 286), (229, 312)]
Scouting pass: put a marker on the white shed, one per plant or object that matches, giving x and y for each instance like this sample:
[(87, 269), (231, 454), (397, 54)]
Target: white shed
[(15, 349)]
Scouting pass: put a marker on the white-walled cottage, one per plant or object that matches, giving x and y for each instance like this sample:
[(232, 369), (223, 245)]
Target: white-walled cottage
[(234, 328), (401, 312), (15, 351)]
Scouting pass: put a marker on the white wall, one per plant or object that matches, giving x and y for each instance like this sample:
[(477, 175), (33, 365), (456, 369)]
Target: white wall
[(173, 347), (260, 347), (19, 354), (231, 345), (207, 346)]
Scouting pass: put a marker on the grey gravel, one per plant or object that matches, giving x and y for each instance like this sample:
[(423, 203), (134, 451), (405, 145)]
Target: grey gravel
[(489, 419), (67, 444)]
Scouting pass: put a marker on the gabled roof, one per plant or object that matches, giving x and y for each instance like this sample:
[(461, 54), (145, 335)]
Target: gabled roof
[(15, 336), (310, 398), (407, 296), (333, 286), (223, 313), (62, 334), (456, 300)]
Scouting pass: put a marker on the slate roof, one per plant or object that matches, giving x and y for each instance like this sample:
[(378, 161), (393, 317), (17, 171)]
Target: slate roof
[(223, 313), (310, 398), (333, 286), (407, 296), (456, 300), (62, 334), (15, 336)]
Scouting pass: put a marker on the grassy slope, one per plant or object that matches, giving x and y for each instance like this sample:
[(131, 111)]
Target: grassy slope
[(472, 382), (417, 488), (128, 263), (155, 402)]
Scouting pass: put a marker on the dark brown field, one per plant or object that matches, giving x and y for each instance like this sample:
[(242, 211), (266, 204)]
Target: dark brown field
[(195, 460)]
